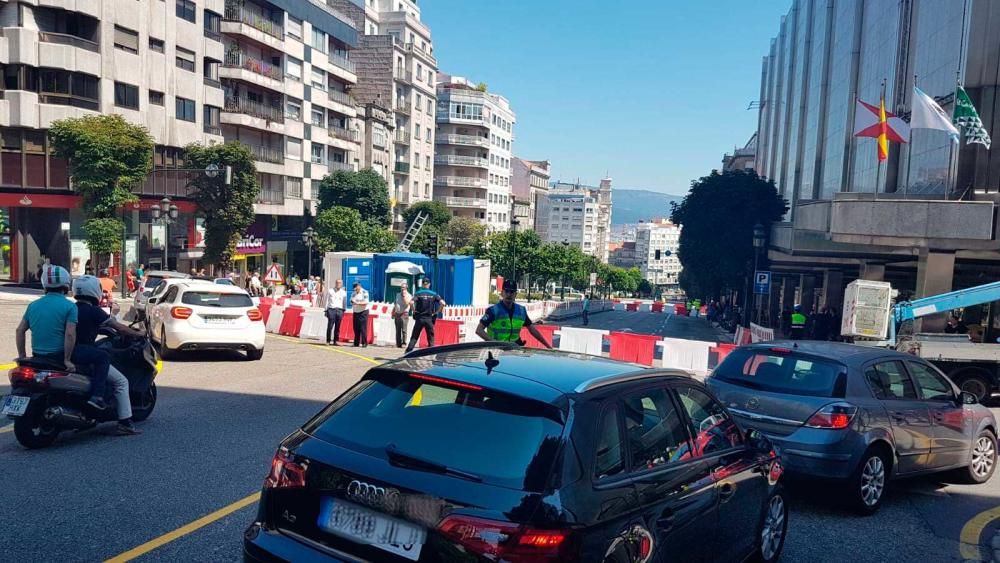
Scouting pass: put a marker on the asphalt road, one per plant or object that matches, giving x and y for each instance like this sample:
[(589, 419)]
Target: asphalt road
[(208, 445), (663, 324)]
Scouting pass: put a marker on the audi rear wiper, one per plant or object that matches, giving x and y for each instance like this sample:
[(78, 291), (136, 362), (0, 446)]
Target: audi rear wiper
[(400, 459)]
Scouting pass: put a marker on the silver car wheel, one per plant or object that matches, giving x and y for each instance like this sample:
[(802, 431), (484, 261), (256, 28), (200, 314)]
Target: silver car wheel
[(872, 480), (984, 455), (773, 532)]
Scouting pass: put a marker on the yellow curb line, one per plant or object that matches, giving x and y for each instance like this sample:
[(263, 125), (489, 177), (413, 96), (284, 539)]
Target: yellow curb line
[(5, 429), (7, 366), (971, 533), (184, 530), (327, 348)]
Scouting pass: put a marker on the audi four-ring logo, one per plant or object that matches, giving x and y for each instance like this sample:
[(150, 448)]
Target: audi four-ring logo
[(372, 495)]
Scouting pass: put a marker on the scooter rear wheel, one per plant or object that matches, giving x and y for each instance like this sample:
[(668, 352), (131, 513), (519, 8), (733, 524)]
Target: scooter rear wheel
[(32, 432)]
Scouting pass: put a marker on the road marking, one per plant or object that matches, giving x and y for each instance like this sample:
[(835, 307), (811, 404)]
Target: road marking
[(972, 531), (7, 366), (184, 530), (6, 429), (329, 349)]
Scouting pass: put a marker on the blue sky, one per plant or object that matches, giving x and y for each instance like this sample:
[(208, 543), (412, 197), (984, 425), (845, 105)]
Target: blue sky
[(653, 92)]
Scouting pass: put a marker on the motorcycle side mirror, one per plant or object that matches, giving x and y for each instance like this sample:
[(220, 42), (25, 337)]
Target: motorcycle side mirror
[(967, 398), (151, 301)]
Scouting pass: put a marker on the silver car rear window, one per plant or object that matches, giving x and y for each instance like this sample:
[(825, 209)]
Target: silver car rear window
[(783, 371)]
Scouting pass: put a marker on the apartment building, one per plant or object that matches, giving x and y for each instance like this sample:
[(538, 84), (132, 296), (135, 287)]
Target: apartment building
[(656, 245), (377, 130), (594, 228), (529, 181), (474, 162), (397, 69), (622, 254), (273, 75)]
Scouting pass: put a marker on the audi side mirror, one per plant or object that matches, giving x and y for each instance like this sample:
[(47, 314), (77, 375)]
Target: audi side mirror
[(758, 441), (151, 301), (967, 398)]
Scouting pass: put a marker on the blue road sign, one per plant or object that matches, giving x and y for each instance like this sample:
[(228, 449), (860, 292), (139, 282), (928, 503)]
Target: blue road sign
[(762, 283)]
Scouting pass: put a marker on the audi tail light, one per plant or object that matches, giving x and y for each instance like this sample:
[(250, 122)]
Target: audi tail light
[(507, 541), (255, 315), (833, 417), (285, 472), (181, 312)]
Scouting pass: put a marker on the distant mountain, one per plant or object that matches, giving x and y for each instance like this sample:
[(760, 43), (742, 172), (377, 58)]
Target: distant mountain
[(631, 206)]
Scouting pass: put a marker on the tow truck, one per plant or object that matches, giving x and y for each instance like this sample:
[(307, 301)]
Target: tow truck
[(973, 366)]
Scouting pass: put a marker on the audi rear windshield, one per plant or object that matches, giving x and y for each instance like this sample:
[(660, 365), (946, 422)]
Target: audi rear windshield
[(783, 371), (494, 437)]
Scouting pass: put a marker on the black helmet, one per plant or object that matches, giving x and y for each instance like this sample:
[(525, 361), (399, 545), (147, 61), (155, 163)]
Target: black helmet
[(510, 285)]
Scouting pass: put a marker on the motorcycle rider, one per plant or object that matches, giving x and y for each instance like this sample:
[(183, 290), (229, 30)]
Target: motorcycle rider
[(88, 291), (52, 320)]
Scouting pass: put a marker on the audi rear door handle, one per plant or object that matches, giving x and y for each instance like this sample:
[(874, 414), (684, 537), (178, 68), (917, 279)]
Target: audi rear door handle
[(726, 491)]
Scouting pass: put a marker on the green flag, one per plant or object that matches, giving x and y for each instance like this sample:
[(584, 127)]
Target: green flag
[(966, 118)]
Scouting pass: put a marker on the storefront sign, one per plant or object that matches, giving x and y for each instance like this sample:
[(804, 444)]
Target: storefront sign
[(79, 256), (253, 241)]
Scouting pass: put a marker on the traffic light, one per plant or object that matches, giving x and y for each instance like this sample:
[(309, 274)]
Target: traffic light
[(432, 245)]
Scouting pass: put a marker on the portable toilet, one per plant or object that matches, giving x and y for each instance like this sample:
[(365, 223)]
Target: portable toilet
[(398, 273), (358, 270)]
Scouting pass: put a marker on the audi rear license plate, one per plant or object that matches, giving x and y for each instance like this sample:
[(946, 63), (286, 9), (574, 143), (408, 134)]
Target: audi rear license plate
[(365, 526), (14, 405)]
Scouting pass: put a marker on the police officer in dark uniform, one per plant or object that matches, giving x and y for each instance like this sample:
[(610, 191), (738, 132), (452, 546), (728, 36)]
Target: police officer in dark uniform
[(426, 306)]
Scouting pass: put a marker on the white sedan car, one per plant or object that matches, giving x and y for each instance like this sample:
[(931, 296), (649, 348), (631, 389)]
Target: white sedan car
[(194, 315)]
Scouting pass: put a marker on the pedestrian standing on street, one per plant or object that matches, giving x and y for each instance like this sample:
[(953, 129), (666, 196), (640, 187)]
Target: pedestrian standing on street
[(359, 306), (401, 313), (503, 321), (141, 272), (335, 297), (586, 311), (426, 307)]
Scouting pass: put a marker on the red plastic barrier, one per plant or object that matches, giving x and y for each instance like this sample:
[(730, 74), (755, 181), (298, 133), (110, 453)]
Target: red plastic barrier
[(265, 309), (446, 332), (718, 353), (347, 328), (291, 321), (266, 300), (657, 307), (630, 347), (680, 309), (632, 306), (532, 342)]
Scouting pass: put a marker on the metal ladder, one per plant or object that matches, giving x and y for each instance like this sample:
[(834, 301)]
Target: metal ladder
[(412, 232)]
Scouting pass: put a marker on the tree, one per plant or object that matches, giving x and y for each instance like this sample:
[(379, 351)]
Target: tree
[(437, 221), (342, 228), (107, 157), (227, 209), (718, 216), (365, 191), (464, 232)]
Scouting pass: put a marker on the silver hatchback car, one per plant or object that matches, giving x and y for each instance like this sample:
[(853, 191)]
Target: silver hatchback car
[(857, 414)]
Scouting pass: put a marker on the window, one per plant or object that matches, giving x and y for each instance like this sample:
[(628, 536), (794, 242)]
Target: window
[(185, 59), (293, 68), (156, 98), (293, 148), (213, 25), (126, 95), (420, 72), (416, 160), (780, 372), (126, 40), (318, 40), (888, 380), (712, 428), (184, 109), (293, 109), (295, 27), (609, 460), (419, 104), (155, 44), (416, 132), (293, 187), (212, 119), (318, 79), (932, 386), (210, 69), (430, 106), (170, 296), (213, 299), (653, 429), (317, 153), (427, 159), (185, 10), (318, 118)]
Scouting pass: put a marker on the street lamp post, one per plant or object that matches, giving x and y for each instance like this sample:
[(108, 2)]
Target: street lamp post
[(309, 239), (562, 278), (165, 213), (758, 244)]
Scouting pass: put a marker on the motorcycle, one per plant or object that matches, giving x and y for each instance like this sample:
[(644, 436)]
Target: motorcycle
[(46, 399)]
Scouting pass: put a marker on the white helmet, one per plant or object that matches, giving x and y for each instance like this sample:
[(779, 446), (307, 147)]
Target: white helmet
[(55, 276), (88, 286)]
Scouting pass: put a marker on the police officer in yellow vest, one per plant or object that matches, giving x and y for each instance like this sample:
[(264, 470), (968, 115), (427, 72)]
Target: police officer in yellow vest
[(798, 324), (503, 321)]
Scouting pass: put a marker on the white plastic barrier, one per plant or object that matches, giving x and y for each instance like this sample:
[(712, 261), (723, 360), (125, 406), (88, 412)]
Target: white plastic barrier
[(313, 324), (274, 318), (582, 340), (685, 354), (385, 330)]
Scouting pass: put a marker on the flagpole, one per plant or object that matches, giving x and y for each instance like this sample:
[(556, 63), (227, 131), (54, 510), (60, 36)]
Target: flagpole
[(878, 141), (909, 148), (953, 186)]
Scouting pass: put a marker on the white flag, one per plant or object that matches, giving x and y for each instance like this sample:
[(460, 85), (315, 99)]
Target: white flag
[(927, 114)]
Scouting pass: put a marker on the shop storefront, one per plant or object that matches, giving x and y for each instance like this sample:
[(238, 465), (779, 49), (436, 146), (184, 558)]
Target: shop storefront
[(250, 252)]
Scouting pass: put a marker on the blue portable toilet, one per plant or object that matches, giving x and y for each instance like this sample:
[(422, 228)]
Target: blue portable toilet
[(451, 276), (358, 270)]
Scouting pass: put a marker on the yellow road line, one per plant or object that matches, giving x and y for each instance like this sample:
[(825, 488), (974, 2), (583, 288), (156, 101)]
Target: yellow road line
[(184, 530), (328, 348), (7, 366), (8, 428), (972, 531)]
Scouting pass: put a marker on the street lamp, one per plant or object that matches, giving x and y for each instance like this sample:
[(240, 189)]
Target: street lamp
[(758, 244), (562, 278), (309, 239), (165, 213)]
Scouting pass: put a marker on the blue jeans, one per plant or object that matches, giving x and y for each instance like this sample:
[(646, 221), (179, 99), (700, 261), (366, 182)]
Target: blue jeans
[(95, 363)]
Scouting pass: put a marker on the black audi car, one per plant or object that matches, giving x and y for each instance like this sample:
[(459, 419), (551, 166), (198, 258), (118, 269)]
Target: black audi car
[(492, 452)]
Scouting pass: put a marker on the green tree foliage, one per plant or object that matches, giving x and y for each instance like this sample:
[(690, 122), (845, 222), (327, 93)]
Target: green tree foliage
[(342, 228), (464, 232), (437, 221), (228, 210), (107, 157), (365, 191), (718, 216)]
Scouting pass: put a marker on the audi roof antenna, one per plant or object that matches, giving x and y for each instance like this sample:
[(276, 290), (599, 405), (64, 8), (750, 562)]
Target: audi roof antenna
[(491, 362)]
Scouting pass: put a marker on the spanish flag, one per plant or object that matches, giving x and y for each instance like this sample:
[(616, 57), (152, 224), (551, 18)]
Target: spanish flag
[(871, 121)]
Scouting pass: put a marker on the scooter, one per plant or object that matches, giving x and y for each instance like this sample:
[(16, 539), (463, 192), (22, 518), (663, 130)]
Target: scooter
[(46, 399)]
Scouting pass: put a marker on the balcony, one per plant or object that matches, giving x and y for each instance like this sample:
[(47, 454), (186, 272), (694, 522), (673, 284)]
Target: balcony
[(402, 106), (343, 62), (254, 19), (460, 181), (340, 97), (402, 167), (69, 40), (405, 77), (344, 134), (447, 117), (239, 59), (253, 108), (465, 140), (267, 154), (458, 160), (402, 137), (334, 165), (413, 49), (271, 196), (479, 203)]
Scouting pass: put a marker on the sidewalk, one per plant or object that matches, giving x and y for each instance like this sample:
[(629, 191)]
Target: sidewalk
[(19, 294)]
